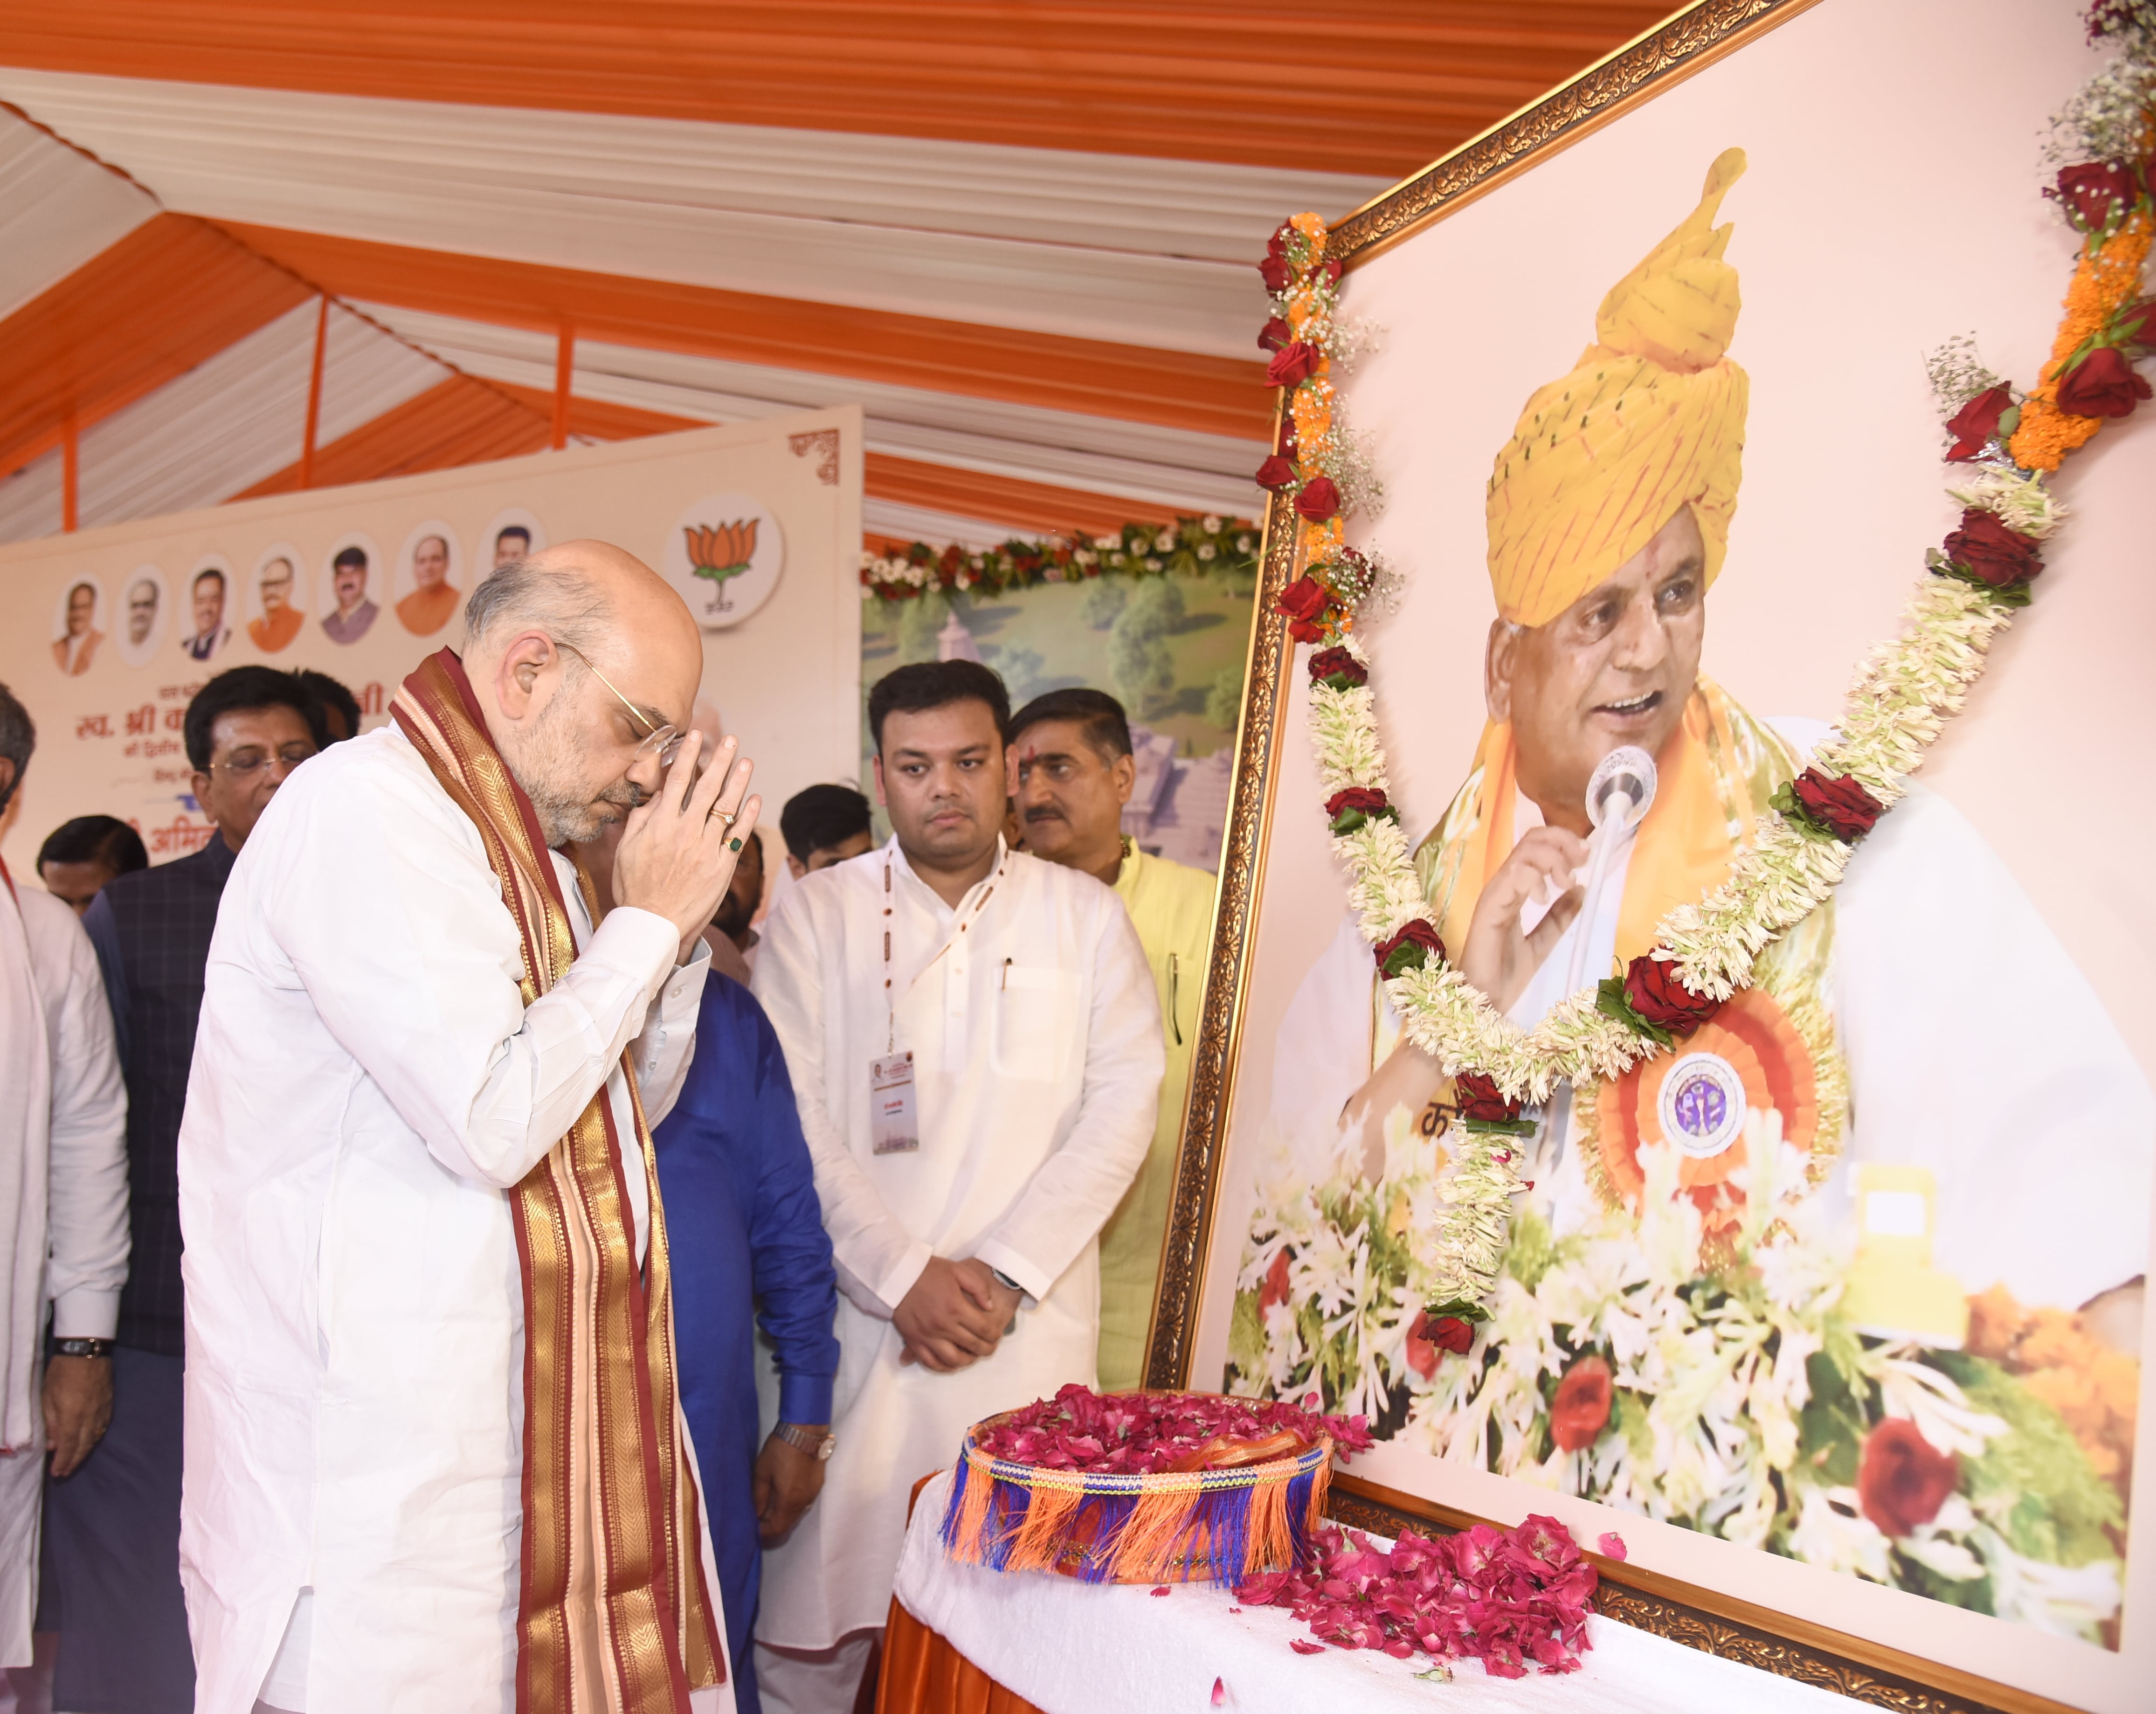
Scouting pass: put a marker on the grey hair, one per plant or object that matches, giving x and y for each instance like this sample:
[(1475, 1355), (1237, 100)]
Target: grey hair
[(561, 603), (18, 739)]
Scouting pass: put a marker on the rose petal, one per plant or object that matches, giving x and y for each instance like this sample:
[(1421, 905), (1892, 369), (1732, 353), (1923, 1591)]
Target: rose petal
[(1612, 1545), (1161, 1589), (1302, 1648)]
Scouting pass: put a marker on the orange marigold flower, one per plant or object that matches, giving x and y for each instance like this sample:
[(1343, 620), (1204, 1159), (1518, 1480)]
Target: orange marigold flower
[(1995, 1321), (2103, 283), (2118, 1385), (2054, 1339)]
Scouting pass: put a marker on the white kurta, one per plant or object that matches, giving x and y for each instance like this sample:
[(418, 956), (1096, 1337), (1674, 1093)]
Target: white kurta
[(366, 1084), (62, 1201), (1030, 1014), (1930, 928)]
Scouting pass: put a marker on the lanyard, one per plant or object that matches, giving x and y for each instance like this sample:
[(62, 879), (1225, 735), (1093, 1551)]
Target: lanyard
[(971, 916)]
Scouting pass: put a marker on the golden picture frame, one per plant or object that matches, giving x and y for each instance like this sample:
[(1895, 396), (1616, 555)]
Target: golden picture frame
[(1868, 1669)]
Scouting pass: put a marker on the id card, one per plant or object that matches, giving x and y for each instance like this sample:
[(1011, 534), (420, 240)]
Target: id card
[(893, 1128)]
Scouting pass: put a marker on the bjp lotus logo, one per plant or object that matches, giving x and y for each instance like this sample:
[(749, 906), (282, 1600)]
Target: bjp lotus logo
[(720, 551)]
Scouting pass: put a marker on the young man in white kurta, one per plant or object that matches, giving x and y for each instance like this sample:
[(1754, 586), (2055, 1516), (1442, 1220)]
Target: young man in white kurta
[(368, 1083), (1029, 1009)]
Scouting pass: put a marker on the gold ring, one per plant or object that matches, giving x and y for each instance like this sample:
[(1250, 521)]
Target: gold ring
[(724, 818)]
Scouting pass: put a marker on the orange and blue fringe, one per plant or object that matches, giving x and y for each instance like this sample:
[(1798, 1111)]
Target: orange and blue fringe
[(1218, 1526)]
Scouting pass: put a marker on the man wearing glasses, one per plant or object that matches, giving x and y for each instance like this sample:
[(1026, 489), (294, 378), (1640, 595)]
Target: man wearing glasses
[(113, 1527), (435, 1454)]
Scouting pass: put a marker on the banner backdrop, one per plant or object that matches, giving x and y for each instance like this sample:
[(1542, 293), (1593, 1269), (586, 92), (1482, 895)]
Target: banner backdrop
[(109, 632)]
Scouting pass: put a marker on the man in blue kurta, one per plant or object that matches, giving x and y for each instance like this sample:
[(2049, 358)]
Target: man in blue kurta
[(748, 1251)]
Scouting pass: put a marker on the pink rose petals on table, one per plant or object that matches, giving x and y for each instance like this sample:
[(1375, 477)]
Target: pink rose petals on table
[(1143, 1433), (1505, 1597), (1613, 1545)]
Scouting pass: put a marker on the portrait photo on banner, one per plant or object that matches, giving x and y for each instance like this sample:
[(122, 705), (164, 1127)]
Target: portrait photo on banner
[(1834, 1303), (145, 615), (277, 597), (354, 583), (80, 627), (213, 600)]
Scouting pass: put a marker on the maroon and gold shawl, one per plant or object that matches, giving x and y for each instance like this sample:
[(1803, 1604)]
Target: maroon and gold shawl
[(613, 1613)]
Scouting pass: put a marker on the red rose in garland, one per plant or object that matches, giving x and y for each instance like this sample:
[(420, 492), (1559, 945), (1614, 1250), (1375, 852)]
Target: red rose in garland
[(1276, 472), (2102, 384), (2095, 191), (2135, 324), (1274, 335), (1274, 271), (1478, 1098), (1293, 363), (1903, 1478), (1429, 1335), (1652, 990), (1581, 1408), (1410, 948), (1976, 422), (1987, 550), (1338, 668), (1353, 808), (1304, 599), (1320, 499), (1842, 806)]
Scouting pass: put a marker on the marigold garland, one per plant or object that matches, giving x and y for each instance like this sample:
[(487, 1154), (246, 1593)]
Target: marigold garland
[(1904, 692)]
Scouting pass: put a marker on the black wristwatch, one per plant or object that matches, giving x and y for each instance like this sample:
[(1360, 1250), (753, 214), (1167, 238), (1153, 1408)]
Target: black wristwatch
[(78, 1347)]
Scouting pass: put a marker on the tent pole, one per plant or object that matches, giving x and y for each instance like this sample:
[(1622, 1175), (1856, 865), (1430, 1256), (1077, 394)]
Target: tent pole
[(314, 395), (565, 361), (70, 475)]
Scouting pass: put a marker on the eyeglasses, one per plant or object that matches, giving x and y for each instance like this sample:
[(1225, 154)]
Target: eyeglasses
[(248, 763), (664, 742)]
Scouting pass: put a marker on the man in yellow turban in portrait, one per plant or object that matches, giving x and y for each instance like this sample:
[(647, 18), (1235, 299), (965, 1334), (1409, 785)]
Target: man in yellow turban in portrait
[(1869, 1042)]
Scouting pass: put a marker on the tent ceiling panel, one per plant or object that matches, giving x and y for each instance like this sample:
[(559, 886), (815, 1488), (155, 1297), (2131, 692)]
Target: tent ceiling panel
[(171, 293), (58, 209), (1186, 80), (339, 163), (534, 187), (457, 421), (226, 423), (1093, 378), (1165, 466)]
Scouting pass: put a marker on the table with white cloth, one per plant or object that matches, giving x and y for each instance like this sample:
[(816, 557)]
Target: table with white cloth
[(1072, 1648)]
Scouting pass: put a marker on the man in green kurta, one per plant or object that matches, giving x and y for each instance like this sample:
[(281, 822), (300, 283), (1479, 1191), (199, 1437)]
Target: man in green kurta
[(1075, 773)]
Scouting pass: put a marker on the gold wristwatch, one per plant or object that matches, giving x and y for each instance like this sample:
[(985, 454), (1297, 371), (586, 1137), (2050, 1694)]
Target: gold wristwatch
[(817, 1444)]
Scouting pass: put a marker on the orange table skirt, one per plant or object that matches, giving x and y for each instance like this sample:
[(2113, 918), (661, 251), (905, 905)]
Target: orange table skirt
[(922, 1674)]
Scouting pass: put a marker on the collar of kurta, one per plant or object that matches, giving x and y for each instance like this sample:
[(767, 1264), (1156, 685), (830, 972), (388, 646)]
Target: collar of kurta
[(612, 1611)]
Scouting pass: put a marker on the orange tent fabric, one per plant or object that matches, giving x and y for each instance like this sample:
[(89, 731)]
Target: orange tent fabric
[(1192, 81)]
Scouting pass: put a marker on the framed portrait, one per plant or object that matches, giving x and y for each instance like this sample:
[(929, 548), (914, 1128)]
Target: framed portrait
[(277, 597), (1833, 1313), (144, 616)]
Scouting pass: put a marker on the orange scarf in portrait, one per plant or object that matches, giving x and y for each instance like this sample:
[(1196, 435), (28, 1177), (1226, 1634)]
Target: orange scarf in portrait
[(613, 1616)]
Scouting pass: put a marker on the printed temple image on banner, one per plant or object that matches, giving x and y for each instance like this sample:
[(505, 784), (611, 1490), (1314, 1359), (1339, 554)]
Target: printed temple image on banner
[(1799, 1283)]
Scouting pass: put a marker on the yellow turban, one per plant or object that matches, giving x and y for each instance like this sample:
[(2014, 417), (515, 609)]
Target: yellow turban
[(1651, 419)]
